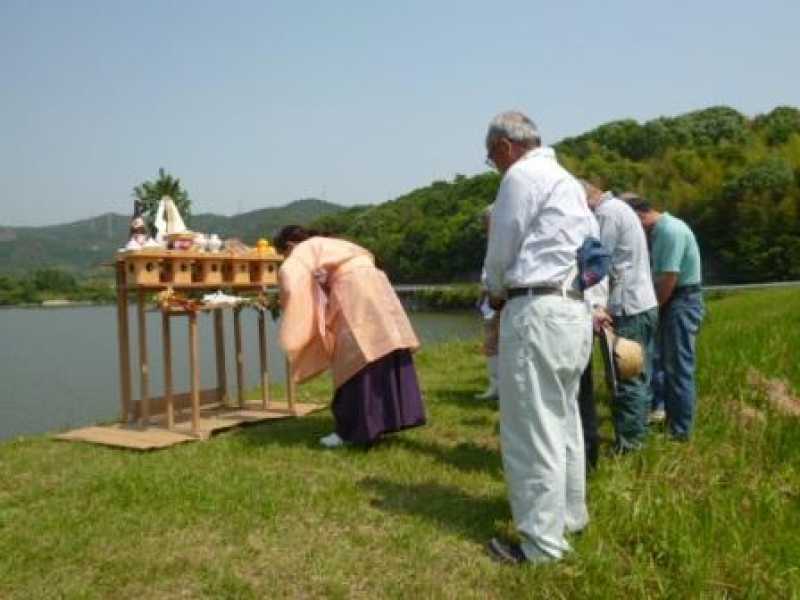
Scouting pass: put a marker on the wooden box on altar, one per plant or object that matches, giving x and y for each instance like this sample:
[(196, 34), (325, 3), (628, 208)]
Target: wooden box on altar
[(208, 271), (178, 268), (238, 271), (264, 272), (181, 270), (143, 269)]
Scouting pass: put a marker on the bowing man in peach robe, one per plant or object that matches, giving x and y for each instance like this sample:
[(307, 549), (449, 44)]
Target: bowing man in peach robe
[(341, 313)]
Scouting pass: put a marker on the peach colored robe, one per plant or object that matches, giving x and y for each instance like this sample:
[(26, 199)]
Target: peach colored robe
[(339, 310)]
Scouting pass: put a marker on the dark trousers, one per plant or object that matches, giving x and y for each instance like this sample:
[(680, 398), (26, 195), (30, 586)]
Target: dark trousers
[(631, 403), (588, 411)]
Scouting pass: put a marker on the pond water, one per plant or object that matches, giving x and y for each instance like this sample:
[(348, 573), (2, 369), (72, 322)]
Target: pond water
[(59, 367)]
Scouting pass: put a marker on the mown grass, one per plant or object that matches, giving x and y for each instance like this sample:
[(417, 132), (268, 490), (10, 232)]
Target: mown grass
[(263, 512)]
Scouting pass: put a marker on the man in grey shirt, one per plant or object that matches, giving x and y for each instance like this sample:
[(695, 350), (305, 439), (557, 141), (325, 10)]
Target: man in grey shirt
[(632, 308)]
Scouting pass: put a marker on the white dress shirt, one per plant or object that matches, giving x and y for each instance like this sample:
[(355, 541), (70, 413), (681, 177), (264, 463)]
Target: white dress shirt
[(539, 221), (631, 284)]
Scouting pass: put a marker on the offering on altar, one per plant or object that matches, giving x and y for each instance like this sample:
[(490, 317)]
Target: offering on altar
[(236, 247), (214, 243), (168, 220), (263, 247), (180, 241), (138, 231)]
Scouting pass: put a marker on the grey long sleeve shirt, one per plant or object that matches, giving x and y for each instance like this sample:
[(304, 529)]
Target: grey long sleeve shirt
[(631, 284)]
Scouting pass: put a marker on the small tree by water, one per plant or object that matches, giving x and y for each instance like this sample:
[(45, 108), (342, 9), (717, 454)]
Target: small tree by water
[(149, 193)]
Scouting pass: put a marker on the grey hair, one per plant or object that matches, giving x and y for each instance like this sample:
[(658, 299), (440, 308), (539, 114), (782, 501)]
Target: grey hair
[(514, 126)]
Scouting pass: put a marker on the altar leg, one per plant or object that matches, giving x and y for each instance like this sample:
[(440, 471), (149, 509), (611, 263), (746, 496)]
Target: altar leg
[(144, 371), (123, 342), (237, 337), (264, 355), (219, 344), (290, 389), (194, 373), (166, 334)]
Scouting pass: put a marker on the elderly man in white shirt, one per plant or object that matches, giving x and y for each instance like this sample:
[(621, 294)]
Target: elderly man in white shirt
[(540, 219), (632, 307)]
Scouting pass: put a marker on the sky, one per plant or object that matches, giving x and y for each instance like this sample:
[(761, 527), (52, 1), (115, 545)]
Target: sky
[(255, 104)]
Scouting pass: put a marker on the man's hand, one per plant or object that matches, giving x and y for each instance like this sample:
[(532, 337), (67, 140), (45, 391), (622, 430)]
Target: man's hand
[(600, 319), (497, 302), (665, 284)]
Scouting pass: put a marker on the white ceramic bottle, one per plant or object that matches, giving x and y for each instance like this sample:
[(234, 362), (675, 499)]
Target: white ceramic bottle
[(214, 243)]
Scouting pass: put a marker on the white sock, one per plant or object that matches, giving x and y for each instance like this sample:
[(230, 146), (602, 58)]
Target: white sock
[(491, 364), (332, 440)]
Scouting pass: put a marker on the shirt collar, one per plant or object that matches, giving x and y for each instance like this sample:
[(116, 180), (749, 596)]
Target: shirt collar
[(662, 222), (604, 197), (541, 151)]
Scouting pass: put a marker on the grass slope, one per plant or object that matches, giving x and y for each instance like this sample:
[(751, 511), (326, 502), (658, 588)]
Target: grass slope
[(263, 512)]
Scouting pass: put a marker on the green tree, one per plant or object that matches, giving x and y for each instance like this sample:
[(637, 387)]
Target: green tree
[(18, 291), (779, 125), (149, 194), (54, 280), (734, 180)]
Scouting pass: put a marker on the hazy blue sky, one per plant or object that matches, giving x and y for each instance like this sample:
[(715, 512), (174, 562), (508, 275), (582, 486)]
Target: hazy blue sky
[(259, 103)]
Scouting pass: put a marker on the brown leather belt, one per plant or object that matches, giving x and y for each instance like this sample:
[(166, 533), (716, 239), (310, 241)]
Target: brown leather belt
[(543, 291)]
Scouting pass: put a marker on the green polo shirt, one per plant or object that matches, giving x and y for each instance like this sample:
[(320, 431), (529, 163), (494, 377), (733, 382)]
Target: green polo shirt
[(674, 250)]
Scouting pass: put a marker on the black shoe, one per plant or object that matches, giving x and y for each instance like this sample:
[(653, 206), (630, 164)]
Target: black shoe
[(507, 553)]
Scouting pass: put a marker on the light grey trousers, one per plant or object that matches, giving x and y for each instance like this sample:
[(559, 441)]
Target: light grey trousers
[(545, 343)]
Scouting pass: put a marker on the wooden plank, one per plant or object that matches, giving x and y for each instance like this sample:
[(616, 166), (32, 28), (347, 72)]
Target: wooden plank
[(144, 370), (263, 350), (219, 345), (194, 373), (123, 343), (237, 338), (283, 410), (166, 335), (124, 438), (212, 420)]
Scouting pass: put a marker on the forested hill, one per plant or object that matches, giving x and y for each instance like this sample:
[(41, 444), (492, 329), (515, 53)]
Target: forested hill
[(80, 247), (735, 180)]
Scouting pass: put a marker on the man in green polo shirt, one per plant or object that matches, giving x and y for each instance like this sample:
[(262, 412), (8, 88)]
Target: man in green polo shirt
[(677, 277)]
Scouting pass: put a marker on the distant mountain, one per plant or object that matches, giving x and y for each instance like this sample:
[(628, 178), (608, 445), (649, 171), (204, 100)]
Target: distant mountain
[(264, 222), (83, 246)]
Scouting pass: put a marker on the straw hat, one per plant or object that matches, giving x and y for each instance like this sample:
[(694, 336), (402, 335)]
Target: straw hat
[(628, 355)]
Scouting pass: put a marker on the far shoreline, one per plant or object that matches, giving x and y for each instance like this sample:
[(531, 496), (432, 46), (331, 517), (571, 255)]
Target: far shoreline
[(53, 306)]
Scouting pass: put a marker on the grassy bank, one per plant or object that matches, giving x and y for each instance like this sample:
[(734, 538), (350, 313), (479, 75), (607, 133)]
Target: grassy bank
[(264, 513), (461, 296)]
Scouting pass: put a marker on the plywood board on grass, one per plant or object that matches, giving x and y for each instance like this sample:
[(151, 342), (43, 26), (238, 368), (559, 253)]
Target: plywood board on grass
[(212, 420)]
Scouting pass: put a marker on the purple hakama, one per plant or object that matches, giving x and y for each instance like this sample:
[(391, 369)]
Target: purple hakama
[(382, 397)]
